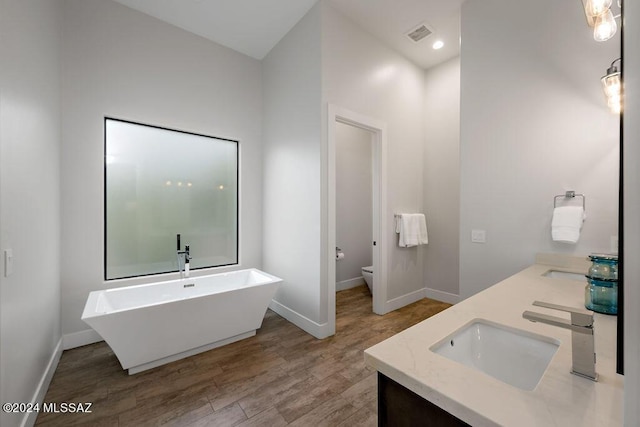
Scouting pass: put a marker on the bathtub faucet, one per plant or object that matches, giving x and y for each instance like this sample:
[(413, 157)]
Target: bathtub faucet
[(183, 262), (183, 259)]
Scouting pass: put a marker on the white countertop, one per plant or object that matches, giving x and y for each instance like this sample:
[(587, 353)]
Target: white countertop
[(560, 399)]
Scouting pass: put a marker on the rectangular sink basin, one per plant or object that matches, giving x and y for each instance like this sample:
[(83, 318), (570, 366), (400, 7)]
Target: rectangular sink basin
[(557, 274), (513, 356)]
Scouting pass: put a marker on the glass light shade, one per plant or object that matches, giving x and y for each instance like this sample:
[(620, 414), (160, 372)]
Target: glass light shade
[(594, 8), (615, 104), (605, 27), (612, 84)]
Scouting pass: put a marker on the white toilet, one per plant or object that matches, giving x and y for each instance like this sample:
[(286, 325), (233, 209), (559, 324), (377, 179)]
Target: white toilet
[(367, 273)]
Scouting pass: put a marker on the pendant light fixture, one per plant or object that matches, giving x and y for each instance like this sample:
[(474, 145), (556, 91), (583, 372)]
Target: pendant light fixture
[(612, 85), (605, 26), (594, 8), (601, 18)]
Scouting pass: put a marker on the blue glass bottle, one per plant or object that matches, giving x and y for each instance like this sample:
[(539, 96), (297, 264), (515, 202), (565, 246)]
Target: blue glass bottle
[(601, 292)]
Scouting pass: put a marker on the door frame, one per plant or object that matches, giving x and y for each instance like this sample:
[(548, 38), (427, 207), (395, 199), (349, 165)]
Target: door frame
[(337, 114)]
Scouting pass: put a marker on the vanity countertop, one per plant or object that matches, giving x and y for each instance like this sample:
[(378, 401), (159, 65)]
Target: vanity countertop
[(560, 398)]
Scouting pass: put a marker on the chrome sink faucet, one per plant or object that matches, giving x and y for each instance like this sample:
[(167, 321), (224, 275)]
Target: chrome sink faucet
[(582, 343)]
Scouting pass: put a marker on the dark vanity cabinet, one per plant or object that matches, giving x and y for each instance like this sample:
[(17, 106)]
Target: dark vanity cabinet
[(400, 407)]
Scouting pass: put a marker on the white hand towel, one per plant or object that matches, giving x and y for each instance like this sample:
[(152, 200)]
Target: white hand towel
[(566, 223), (412, 229)]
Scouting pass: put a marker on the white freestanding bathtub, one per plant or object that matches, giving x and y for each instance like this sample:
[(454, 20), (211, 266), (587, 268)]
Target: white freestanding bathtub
[(153, 324)]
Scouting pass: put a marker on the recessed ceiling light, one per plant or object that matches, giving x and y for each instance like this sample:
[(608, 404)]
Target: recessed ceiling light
[(438, 44)]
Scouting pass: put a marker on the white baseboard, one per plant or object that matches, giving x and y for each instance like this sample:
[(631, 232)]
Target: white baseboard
[(403, 300), (348, 284), (318, 330), (442, 296), (40, 392), (78, 339)]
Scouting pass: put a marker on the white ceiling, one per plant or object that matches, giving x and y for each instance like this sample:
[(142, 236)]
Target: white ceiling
[(254, 27), (391, 20)]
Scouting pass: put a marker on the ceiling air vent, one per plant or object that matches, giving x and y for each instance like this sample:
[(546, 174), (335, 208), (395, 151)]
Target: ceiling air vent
[(420, 32)]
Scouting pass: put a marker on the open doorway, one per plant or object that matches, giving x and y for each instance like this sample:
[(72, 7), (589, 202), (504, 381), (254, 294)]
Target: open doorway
[(374, 132), (354, 207)]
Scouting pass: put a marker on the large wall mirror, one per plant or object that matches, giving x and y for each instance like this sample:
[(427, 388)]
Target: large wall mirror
[(159, 183)]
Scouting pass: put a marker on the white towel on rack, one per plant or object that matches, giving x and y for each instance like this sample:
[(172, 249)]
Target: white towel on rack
[(412, 229), (566, 223)]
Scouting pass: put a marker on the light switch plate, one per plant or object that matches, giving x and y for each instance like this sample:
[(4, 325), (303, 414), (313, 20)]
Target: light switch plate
[(478, 236), (8, 262), (614, 244)]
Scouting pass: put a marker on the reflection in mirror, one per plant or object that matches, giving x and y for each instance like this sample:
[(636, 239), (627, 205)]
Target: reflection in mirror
[(159, 183)]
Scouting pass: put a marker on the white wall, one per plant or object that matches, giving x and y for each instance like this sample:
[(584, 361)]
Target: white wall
[(442, 180), (121, 63), (291, 172), (361, 74), (534, 123), (354, 202), (631, 174), (29, 199)]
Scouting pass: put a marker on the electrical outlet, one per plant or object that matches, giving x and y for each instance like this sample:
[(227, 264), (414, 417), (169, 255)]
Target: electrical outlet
[(8, 262), (478, 236), (614, 244)]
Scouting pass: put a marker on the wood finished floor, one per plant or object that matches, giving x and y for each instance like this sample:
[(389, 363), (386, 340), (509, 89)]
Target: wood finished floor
[(280, 377)]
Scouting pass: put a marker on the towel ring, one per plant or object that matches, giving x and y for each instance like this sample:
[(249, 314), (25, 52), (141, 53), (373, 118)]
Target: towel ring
[(569, 195)]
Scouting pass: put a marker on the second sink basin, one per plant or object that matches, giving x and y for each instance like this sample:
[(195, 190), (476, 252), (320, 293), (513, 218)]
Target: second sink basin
[(513, 356), (558, 274)]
